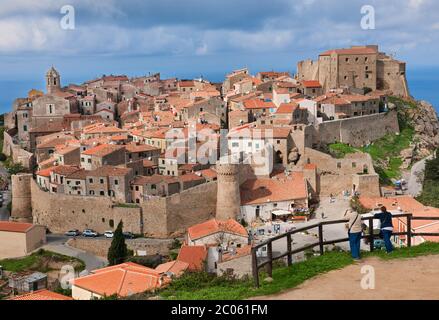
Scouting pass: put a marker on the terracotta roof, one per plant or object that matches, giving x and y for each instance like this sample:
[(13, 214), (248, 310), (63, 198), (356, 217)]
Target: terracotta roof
[(194, 256), (42, 295), (109, 171), (123, 280), (190, 177), (406, 203), (45, 172), (287, 108), (176, 267), (311, 84), (15, 226), (78, 175), (350, 51), (154, 179), (189, 83), (132, 148), (102, 150), (207, 173), (213, 226), (279, 188), (239, 252), (64, 170), (257, 104)]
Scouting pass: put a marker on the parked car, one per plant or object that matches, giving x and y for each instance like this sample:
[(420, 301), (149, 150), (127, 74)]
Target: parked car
[(108, 234), (90, 233), (128, 235), (72, 233)]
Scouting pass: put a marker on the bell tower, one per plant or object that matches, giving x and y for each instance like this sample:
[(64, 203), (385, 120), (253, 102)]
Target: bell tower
[(53, 81)]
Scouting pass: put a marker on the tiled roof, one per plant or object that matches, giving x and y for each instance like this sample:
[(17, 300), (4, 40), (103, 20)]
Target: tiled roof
[(176, 267), (45, 172), (109, 171), (350, 51), (42, 295), (15, 226), (64, 170), (311, 84), (123, 280), (278, 188), (194, 256), (257, 104), (102, 150), (287, 108), (214, 226)]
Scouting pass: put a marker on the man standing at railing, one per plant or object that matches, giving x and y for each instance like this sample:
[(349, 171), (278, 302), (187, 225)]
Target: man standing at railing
[(355, 230), (386, 227)]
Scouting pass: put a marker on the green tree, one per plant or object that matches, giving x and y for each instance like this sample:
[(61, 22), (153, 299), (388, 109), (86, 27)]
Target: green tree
[(118, 251)]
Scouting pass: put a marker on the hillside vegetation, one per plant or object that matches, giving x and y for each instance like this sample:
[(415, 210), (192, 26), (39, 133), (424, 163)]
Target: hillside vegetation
[(418, 138)]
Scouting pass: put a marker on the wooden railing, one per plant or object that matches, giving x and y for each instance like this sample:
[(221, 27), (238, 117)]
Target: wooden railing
[(268, 263)]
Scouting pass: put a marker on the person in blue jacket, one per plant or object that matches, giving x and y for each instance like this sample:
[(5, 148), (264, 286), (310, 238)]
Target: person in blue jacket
[(386, 227)]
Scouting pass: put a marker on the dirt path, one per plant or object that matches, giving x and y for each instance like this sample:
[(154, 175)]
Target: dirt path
[(404, 279)]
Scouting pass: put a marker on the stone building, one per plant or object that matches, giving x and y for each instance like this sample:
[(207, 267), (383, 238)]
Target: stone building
[(356, 67)]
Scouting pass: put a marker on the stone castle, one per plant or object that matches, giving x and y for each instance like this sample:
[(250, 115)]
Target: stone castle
[(357, 67)]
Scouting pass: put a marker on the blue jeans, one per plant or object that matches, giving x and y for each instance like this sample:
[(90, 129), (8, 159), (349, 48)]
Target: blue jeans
[(386, 237), (354, 243)]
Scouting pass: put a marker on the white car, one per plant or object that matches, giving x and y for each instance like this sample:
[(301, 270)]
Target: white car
[(108, 234)]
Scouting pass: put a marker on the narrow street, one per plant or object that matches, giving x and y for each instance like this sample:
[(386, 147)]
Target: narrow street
[(57, 244), (413, 183)]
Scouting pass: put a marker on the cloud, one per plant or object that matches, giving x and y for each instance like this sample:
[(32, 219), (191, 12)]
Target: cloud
[(208, 27)]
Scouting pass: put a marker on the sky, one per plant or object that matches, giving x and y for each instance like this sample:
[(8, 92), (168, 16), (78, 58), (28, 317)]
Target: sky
[(191, 38)]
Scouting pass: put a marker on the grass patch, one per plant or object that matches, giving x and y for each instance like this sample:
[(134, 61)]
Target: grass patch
[(340, 150), (202, 286), (39, 261)]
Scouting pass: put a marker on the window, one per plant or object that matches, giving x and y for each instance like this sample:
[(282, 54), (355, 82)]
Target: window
[(116, 182), (89, 161), (101, 181), (90, 180), (102, 193), (153, 187), (91, 192), (24, 128), (354, 164), (82, 160), (235, 144)]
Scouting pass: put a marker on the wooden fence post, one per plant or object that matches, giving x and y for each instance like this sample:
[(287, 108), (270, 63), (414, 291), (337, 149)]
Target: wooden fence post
[(290, 257), (371, 235), (322, 251), (255, 267), (409, 230), (270, 259)]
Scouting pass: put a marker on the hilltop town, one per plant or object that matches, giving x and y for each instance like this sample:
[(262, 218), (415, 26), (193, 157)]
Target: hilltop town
[(215, 167)]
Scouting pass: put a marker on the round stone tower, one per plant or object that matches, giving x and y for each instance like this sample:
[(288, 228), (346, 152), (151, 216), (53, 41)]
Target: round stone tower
[(21, 198), (228, 201), (53, 81)]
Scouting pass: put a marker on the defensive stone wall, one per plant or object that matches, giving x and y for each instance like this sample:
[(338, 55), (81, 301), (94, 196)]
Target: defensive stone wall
[(19, 155), (157, 218), (359, 131)]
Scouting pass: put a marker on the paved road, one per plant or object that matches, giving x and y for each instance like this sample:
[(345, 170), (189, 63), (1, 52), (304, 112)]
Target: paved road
[(414, 185), (57, 244)]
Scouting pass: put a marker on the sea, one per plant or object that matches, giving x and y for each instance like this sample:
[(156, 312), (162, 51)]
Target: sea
[(423, 85)]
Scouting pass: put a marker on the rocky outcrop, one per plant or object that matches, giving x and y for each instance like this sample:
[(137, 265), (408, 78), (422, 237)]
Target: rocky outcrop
[(426, 124), (422, 117)]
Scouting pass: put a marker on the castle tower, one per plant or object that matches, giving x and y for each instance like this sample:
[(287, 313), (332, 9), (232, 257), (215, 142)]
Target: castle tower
[(53, 81), (228, 203), (21, 198)]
